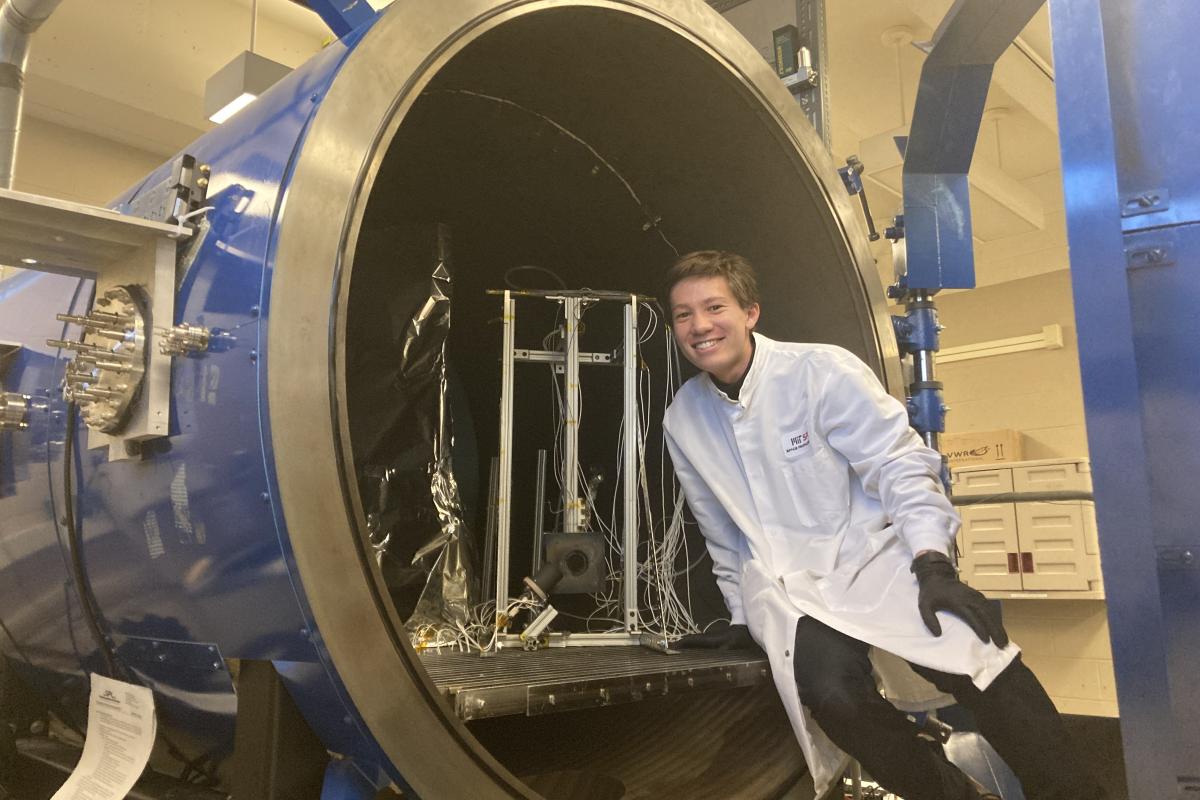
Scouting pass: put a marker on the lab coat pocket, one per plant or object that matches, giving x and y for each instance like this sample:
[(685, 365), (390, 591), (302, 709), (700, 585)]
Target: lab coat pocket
[(756, 588), (819, 489)]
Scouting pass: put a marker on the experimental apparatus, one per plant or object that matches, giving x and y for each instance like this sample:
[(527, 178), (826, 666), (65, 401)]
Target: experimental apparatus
[(281, 525), (301, 461)]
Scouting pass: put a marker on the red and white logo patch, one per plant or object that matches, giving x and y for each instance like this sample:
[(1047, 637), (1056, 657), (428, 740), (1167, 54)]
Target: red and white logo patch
[(794, 443)]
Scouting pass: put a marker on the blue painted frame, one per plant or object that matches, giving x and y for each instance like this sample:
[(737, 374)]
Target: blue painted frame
[(341, 16), (1119, 125)]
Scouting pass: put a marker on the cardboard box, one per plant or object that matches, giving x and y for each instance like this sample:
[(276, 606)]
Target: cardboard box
[(984, 447)]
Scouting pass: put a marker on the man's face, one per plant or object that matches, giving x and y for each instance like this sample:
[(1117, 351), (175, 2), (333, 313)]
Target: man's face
[(711, 328)]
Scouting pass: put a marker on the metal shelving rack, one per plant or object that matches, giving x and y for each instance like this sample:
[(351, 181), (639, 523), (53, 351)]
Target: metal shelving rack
[(571, 358)]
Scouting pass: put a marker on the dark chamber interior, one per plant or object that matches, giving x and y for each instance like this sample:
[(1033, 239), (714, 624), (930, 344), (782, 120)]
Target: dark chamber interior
[(596, 145)]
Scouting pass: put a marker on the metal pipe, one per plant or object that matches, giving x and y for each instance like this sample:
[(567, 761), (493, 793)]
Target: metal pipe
[(856, 787), (572, 504), (539, 511), (18, 20), (923, 365), (629, 525), (504, 484), (489, 539), (923, 372)]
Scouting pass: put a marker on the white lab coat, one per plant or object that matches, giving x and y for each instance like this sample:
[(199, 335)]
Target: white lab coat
[(794, 486)]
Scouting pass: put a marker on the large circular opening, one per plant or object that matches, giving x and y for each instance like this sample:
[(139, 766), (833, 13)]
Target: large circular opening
[(571, 148)]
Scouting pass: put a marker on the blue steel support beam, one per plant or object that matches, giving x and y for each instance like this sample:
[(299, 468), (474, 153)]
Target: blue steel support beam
[(342, 16), (1131, 188), (941, 142)]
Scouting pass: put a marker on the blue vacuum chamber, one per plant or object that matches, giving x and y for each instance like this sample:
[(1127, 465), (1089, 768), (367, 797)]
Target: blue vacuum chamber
[(597, 139)]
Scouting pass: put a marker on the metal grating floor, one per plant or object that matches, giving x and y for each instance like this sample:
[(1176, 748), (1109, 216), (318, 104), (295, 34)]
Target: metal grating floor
[(514, 681)]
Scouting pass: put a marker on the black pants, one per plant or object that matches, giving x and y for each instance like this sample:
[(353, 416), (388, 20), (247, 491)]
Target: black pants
[(1014, 714)]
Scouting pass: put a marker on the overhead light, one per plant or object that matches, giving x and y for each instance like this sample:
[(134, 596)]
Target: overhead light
[(238, 83), (29, 261)]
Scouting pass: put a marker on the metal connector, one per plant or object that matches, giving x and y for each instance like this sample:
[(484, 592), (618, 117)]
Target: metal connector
[(14, 411), (183, 339), (106, 372)]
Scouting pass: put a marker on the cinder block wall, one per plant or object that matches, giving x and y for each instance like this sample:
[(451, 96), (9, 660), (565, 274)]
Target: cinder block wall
[(1066, 644), (58, 161), (1037, 392)]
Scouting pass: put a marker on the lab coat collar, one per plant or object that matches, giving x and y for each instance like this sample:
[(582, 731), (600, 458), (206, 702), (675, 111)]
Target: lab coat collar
[(762, 346)]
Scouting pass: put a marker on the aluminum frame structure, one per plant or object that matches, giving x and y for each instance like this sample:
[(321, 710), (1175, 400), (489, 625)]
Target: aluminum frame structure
[(570, 358), (1132, 191)]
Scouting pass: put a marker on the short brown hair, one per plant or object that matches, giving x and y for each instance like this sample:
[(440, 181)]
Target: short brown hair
[(735, 269)]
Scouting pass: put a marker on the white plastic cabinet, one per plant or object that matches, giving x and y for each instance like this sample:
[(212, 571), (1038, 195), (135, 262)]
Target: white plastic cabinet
[(988, 545), (1054, 547), (1052, 476), (1043, 547), (982, 481)]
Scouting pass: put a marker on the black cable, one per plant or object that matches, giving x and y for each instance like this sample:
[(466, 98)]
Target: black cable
[(70, 622), (87, 601), (15, 644), (48, 700), (91, 609), (91, 612), (531, 268), (1061, 496)]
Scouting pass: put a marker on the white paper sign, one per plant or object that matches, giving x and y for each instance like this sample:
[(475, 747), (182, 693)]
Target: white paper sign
[(120, 734)]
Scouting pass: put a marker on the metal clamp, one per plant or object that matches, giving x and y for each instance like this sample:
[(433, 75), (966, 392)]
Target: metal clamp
[(926, 410), (918, 329), (852, 179), (1178, 557), (1151, 248), (177, 197), (1150, 201)]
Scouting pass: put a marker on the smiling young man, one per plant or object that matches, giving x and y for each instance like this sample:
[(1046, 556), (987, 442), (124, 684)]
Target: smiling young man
[(830, 537)]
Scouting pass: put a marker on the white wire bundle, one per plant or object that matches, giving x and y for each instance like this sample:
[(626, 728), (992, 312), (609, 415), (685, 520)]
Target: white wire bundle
[(661, 610), (469, 637), (667, 559)]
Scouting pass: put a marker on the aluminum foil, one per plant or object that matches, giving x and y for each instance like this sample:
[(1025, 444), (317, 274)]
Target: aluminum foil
[(402, 431), (447, 594)]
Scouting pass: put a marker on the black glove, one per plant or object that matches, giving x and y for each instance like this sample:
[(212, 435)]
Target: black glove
[(941, 590), (735, 637)]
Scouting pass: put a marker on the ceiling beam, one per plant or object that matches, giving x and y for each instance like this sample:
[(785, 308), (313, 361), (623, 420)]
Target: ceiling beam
[(1025, 82)]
